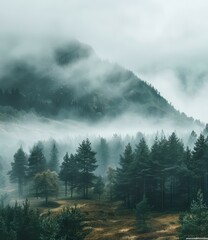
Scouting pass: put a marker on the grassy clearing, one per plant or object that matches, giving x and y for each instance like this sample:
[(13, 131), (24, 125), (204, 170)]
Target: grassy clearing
[(110, 221)]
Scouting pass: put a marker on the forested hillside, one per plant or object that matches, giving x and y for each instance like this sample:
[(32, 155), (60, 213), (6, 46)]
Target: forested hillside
[(72, 82)]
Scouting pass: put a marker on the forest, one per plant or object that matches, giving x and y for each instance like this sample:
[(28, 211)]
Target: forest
[(166, 176)]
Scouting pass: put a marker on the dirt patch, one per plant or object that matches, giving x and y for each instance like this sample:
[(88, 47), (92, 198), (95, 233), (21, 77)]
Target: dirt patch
[(108, 221)]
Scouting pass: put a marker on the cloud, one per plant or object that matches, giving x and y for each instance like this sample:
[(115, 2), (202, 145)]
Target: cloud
[(157, 39)]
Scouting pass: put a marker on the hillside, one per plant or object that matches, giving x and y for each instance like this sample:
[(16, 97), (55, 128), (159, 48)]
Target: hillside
[(72, 82)]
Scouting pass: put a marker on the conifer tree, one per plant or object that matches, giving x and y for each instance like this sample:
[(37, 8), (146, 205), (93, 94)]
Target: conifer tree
[(69, 173), (36, 161), (99, 187), (141, 170), (87, 164), (123, 176), (53, 164), (19, 169)]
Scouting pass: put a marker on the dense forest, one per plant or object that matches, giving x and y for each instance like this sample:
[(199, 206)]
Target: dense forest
[(166, 174)]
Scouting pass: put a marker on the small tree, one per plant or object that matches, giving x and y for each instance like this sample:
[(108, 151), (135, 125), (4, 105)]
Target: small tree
[(195, 222), (99, 187), (46, 184), (142, 214), (70, 224), (19, 168)]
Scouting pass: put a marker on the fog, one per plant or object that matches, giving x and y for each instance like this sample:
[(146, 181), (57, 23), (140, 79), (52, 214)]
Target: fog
[(163, 42), (149, 37)]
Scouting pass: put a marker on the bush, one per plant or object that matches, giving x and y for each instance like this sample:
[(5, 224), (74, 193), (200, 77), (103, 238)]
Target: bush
[(20, 222)]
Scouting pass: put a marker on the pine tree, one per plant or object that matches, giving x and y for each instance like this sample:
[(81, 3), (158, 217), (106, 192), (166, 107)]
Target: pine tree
[(19, 168), (99, 186), (53, 164), (87, 164), (141, 170), (69, 173), (111, 180), (195, 223), (64, 172), (103, 156), (36, 161), (123, 176), (200, 164)]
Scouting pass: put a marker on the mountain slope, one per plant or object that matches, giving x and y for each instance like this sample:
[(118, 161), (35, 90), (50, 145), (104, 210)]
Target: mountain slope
[(72, 82)]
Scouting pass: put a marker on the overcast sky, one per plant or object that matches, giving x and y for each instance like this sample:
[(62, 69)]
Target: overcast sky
[(165, 42)]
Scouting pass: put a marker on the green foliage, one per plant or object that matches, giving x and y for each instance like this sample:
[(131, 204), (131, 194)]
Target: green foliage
[(123, 175), (99, 186), (19, 222), (142, 215), (46, 184), (102, 156), (23, 223), (69, 172), (87, 164), (19, 169), (195, 222), (70, 224), (36, 161), (53, 164), (111, 180)]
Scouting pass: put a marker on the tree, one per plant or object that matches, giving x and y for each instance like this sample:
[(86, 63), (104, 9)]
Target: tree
[(53, 164), (2, 177), (36, 161), (199, 164), (69, 173), (111, 180), (142, 214), (19, 169), (103, 155), (99, 186), (123, 176), (46, 184), (87, 164), (141, 169), (195, 222)]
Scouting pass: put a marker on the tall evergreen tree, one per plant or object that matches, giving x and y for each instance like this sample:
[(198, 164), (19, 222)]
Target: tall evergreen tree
[(36, 161), (53, 164), (87, 164), (103, 156), (19, 168), (141, 170), (69, 173), (200, 164), (123, 176)]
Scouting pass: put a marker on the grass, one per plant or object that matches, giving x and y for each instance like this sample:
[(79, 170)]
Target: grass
[(108, 220)]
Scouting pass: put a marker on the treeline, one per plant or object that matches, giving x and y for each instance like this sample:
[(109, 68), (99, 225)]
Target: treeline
[(76, 171), (168, 174)]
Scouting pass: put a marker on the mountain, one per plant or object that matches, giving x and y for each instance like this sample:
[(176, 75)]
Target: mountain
[(70, 81)]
